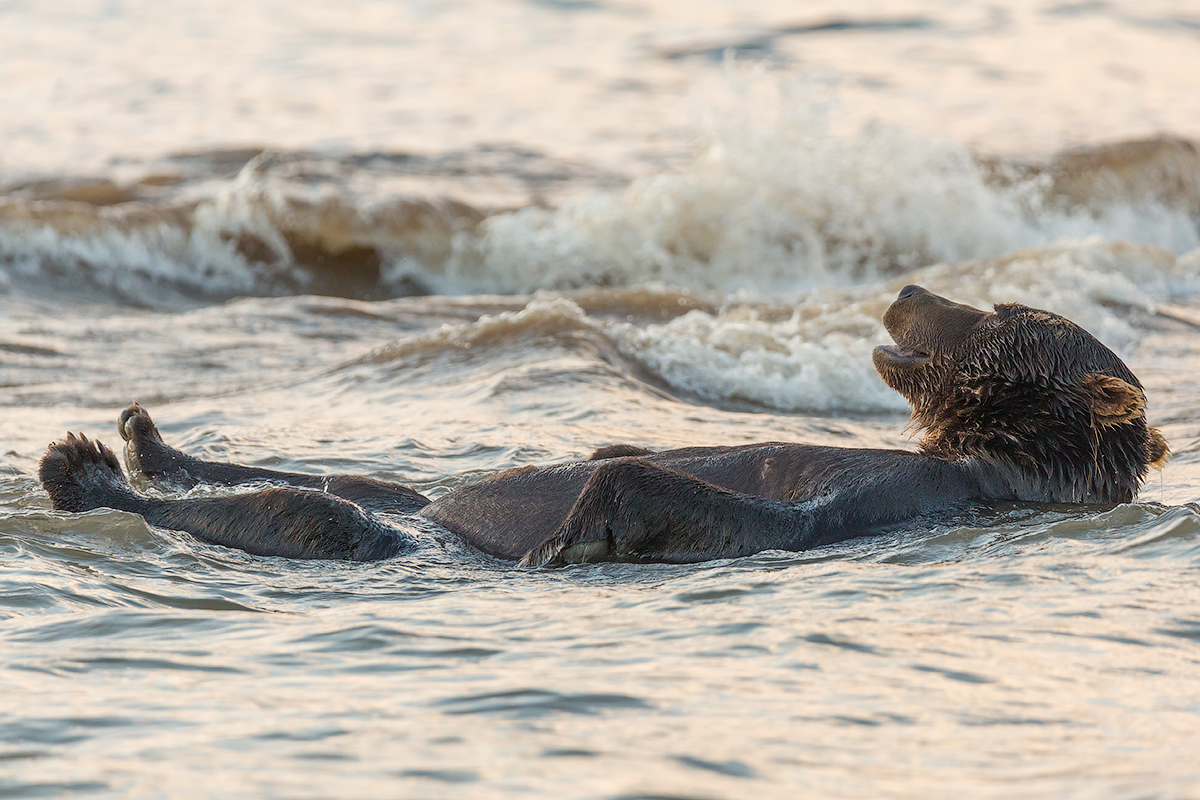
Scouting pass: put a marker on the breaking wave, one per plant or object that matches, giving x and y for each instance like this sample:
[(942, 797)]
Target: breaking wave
[(811, 351), (784, 205), (775, 200)]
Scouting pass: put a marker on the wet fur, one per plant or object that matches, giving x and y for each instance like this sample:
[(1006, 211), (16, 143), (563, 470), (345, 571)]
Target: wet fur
[(1053, 411), (81, 475), (1014, 404)]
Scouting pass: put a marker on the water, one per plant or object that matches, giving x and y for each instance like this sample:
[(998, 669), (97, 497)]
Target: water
[(426, 242)]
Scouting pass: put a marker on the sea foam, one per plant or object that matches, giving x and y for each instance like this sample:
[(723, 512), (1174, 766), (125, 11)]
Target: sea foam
[(781, 196), (811, 351)]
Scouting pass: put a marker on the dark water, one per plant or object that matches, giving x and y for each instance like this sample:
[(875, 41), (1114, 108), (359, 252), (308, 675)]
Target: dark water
[(338, 288)]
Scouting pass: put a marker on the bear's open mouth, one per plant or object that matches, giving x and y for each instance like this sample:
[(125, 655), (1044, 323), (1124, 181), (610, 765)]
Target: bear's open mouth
[(901, 355)]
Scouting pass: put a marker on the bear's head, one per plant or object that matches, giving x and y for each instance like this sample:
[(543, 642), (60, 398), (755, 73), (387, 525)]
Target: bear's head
[(1055, 413)]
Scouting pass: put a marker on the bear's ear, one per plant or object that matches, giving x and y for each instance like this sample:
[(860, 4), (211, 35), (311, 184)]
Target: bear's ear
[(1113, 400), (1157, 449)]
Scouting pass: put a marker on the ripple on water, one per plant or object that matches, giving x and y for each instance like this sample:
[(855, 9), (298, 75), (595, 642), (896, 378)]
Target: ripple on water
[(732, 769), (1184, 628), (524, 703), (121, 624)]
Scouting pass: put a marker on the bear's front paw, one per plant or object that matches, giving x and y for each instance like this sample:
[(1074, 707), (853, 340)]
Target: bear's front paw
[(147, 455)]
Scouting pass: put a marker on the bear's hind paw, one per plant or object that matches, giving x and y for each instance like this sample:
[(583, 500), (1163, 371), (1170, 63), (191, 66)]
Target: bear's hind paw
[(80, 475)]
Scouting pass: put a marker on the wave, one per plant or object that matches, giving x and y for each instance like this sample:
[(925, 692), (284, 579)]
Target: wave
[(787, 205), (814, 352), (776, 200), (273, 229), (540, 319), (811, 351)]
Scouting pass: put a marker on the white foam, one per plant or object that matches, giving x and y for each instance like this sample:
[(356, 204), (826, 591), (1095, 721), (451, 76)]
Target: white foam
[(229, 237), (818, 356), (127, 251), (812, 351), (806, 362), (778, 199), (781, 197)]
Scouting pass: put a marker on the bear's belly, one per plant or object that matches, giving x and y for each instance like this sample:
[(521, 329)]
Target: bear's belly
[(512, 512)]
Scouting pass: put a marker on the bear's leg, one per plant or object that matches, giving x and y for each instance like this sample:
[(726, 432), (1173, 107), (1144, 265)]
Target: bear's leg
[(147, 454), (80, 475), (634, 510)]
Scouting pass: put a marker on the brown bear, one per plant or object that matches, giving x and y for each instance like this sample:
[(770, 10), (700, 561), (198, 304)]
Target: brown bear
[(1015, 404)]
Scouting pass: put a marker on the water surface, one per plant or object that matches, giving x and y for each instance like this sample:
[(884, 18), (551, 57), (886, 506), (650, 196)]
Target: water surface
[(428, 242)]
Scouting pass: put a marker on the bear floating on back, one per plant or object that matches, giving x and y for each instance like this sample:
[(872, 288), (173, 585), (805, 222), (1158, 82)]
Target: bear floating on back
[(1014, 404)]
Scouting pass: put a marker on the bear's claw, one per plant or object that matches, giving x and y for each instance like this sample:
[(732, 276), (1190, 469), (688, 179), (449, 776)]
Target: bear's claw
[(80, 474), (146, 453)]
